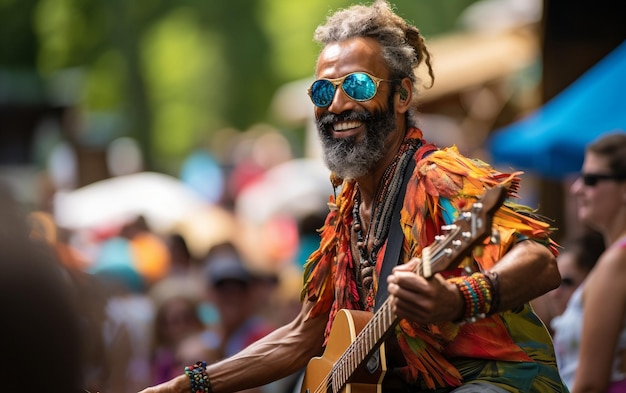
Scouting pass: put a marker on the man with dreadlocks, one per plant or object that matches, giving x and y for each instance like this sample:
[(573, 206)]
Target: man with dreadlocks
[(454, 331)]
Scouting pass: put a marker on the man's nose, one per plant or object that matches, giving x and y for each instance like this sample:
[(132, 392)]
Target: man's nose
[(341, 102)]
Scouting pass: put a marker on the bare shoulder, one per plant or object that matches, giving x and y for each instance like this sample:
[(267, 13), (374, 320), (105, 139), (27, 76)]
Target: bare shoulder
[(609, 272), (613, 260)]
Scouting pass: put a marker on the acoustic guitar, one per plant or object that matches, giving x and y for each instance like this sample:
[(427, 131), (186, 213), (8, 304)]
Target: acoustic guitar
[(354, 358)]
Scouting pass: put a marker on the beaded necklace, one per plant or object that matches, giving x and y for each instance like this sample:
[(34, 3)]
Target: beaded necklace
[(382, 211)]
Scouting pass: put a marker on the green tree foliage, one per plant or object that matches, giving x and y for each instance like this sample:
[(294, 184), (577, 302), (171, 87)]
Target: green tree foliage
[(173, 72)]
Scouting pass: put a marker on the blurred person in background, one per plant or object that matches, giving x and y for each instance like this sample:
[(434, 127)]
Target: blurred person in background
[(106, 355), (237, 294), (176, 319), (366, 119), (591, 334), (128, 315), (181, 261), (41, 345), (575, 261), (89, 299), (43, 227), (151, 255)]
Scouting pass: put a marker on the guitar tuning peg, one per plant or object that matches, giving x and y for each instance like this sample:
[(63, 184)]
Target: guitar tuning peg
[(495, 237), (448, 228)]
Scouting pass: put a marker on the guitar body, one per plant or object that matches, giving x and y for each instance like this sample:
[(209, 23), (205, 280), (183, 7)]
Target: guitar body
[(346, 327)]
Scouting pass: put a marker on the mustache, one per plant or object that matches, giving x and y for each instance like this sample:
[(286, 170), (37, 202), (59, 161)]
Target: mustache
[(327, 119)]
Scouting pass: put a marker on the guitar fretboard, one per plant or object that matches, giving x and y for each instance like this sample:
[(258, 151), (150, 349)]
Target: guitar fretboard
[(365, 344)]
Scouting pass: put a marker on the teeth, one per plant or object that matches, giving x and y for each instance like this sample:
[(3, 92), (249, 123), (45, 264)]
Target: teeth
[(346, 125)]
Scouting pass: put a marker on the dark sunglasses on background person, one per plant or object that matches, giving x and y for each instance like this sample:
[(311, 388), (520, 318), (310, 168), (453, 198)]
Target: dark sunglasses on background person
[(567, 282), (591, 179), (359, 86)]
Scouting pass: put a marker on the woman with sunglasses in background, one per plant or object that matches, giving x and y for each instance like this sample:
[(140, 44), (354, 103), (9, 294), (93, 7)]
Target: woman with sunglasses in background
[(591, 336), (455, 331)]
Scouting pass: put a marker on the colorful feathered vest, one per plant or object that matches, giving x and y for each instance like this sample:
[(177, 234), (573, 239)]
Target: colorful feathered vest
[(442, 184)]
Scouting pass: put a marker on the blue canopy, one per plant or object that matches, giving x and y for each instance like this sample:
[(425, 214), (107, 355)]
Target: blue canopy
[(551, 141)]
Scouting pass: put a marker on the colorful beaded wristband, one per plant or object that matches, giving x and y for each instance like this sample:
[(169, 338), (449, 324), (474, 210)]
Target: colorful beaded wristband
[(477, 296), (492, 278), (198, 378)]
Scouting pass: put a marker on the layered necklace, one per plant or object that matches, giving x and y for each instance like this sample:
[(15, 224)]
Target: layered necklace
[(382, 212)]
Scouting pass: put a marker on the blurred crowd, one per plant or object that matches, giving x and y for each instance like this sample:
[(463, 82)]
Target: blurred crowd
[(118, 286), (152, 299)]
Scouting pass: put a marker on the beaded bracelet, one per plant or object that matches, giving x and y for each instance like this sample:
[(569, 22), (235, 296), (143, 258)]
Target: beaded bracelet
[(492, 277), (485, 289), (477, 295), (198, 378)]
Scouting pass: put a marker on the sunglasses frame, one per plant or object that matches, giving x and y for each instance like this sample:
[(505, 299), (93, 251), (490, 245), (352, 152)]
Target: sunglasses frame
[(339, 82), (592, 179)]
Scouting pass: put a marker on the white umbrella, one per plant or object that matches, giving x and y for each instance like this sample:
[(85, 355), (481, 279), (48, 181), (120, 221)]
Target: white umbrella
[(295, 188), (162, 199)]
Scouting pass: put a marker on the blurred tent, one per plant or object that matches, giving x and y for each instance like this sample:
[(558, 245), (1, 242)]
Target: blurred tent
[(295, 188), (551, 141), (474, 58), (161, 199)]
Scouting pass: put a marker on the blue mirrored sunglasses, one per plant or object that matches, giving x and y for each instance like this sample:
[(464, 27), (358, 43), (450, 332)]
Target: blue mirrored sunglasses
[(591, 179), (359, 86)]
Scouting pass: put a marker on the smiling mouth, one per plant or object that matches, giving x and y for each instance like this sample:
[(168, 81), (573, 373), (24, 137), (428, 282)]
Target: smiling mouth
[(346, 126)]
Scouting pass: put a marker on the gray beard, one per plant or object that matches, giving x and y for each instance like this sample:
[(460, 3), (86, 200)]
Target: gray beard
[(349, 158)]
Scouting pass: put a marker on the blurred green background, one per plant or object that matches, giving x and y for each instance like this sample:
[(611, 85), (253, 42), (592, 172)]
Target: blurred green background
[(168, 73)]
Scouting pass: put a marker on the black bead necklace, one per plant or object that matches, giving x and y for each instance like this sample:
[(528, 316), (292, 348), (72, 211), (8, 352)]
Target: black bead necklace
[(367, 269), (381, 214)]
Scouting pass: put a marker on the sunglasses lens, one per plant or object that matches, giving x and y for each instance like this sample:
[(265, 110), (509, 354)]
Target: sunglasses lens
[(359, 86), (590, 180), (322, 92)]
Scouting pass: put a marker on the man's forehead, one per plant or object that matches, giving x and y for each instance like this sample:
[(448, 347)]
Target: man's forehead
[(366, 45), (363, 53)]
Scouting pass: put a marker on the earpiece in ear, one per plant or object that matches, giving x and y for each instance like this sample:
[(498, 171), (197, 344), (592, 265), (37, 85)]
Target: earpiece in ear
[(404, 94)]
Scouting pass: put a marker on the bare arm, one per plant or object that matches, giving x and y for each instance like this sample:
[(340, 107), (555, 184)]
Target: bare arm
[(277, 355), (604, 300), (528, 270)]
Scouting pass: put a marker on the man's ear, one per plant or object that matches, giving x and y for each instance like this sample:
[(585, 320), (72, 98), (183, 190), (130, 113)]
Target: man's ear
[(404, 95)]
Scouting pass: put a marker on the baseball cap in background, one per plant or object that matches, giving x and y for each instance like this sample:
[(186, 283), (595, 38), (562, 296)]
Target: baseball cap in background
[(227, 266)]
